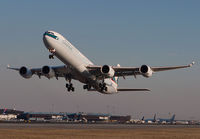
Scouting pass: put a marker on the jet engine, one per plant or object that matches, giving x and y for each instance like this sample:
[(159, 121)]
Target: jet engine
[(146, 71), (25, 72), (48, 72), (108, 71)]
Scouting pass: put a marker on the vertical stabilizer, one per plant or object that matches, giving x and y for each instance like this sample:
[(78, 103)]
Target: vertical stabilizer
[(4, 112), (116, 78), (173, 117), (154, 118)]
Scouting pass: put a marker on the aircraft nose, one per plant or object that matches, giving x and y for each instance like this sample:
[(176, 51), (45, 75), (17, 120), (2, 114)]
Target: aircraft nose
[(45, 40), (50, 39), (45, 35)]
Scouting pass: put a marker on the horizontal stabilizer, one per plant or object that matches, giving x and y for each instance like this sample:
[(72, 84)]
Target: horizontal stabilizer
[(133, 89)]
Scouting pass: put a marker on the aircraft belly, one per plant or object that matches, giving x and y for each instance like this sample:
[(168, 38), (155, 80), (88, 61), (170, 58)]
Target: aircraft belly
[(111, 87), (70, 58), (111, 90)]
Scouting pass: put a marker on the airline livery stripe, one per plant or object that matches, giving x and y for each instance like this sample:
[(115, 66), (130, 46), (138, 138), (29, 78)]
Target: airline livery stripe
[(113, 81), (50, 35)]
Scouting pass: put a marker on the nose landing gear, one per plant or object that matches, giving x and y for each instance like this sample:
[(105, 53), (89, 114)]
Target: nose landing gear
[(51, 56), (52, 51)]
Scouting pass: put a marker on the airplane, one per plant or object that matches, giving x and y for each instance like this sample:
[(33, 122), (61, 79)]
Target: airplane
[(101, 78), (4, 112), (166, 121), (149, 120)]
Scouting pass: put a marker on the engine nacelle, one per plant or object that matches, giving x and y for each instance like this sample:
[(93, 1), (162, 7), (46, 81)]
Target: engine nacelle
[(146, 71), (25, 72), (48, 72), (108, 71)]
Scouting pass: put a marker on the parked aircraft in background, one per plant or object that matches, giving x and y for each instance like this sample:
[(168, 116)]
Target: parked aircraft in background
[(149, 121), (183, 122), (4, 112), (167, 121), (102, 78)]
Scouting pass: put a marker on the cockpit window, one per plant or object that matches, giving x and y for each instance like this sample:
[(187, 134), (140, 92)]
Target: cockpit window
[(51, 34)]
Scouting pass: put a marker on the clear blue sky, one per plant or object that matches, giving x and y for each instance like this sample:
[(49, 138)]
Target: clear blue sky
[(131, 33)]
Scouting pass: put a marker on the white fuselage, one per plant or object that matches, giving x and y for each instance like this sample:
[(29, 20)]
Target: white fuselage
[(76, 61)]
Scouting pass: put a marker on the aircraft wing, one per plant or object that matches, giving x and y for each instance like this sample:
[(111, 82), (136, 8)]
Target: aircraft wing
[(133, 71), (59, 71), (157, 69), (8, 67)]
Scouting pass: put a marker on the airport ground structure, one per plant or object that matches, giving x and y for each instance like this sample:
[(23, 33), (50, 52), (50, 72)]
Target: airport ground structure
[(11, 115)]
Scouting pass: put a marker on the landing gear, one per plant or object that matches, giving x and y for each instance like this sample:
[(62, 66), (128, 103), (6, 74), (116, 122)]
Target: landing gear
[(51, 56), (70, 87), (88, 87), (52, 51), (103, 87)]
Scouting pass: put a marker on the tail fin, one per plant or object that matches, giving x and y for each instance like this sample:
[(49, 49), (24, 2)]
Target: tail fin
[(4, 112), (142, 118), (116, 78), (154, 118), (173, 117)]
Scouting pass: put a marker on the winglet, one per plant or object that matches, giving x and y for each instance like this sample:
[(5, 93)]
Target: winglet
[(190, 65)]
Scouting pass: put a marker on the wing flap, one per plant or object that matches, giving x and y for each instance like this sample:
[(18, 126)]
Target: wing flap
[(119, 71), (116, 68)]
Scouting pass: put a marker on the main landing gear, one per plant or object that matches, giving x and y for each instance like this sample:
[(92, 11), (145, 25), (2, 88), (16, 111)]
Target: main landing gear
[(70, 87), (103, 87), (88, 87)]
